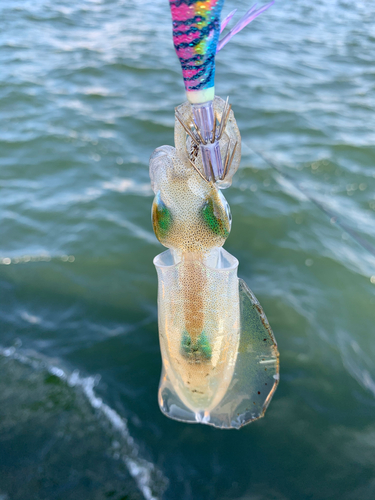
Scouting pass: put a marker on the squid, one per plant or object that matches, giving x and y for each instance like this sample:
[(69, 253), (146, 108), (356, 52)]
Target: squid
[(220, 363)]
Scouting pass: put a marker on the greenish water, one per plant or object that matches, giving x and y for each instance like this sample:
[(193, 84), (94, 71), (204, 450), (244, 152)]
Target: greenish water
[(87, 91)]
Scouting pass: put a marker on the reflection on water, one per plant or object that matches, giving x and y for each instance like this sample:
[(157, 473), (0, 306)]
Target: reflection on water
[(87, 92)]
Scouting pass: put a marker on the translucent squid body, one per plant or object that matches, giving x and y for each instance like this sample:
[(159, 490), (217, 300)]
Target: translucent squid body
[(220, 359)]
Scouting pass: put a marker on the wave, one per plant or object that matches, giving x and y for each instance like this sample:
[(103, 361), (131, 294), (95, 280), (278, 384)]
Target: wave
[(148, 478)]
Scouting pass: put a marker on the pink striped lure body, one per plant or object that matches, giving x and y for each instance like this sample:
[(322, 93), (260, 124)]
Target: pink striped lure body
[(196, 30)]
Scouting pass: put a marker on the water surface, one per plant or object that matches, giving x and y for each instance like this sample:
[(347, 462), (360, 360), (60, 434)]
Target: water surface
[(87, 91)]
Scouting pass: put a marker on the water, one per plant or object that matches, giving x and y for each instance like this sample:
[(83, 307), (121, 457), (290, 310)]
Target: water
[(87, 91)]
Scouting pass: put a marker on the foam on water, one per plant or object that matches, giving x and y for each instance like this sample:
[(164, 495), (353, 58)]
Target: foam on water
[(143, 471)]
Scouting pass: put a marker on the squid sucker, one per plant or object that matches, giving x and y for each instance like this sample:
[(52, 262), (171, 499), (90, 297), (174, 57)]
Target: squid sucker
[(220, 359)]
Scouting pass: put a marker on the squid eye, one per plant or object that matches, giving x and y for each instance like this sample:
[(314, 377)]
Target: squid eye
[(161, 218), (217, 217)]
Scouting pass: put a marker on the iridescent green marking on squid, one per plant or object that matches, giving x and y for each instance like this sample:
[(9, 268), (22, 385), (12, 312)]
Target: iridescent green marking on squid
[(218, 226), (200, 349), (161, 218), (186, 344), (204, 346)]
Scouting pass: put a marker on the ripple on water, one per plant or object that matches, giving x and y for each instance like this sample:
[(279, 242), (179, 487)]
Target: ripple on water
[(55, 409)]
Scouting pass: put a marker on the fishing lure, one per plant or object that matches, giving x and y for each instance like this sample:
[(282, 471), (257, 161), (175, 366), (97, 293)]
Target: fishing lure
[(220, 358)]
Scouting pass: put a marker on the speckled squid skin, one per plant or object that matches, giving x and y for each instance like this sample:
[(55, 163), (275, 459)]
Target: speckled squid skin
[(198, 298), (199, 329)]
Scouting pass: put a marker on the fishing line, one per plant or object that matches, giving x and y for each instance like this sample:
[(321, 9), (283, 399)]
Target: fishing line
[(327, 211)]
